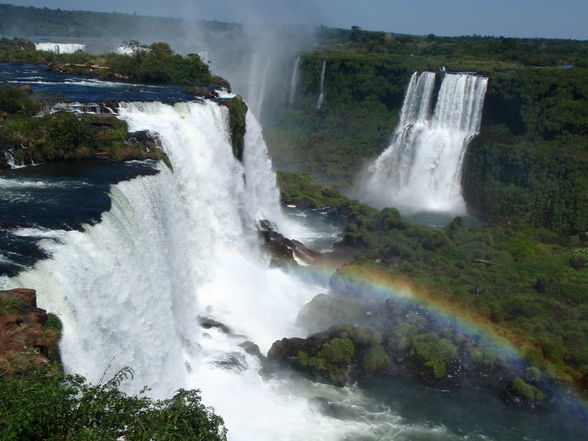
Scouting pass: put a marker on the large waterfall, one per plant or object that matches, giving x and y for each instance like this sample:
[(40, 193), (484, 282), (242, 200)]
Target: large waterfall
[(421, 169), (175, 247)]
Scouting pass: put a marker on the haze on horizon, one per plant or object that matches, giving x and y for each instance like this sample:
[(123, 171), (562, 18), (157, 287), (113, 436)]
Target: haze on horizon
[(523, 18)]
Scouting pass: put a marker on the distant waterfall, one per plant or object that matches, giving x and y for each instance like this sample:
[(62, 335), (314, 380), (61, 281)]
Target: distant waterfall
[(259, 70), (294, 81), (421, 170), (60, 48), (321, 98)]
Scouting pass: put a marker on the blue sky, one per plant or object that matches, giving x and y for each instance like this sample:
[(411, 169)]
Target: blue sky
[(517, 18)]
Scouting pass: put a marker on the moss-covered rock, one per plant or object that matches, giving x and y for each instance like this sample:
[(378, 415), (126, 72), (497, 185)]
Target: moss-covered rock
[(323, 357), (374, 359), (64, 136), (237, 124), (523, 393)]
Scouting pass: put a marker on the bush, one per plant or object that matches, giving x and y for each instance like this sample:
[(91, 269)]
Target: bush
[(14, 100), (46, 405)]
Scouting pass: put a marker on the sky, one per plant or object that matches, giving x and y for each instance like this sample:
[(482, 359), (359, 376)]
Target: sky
[(509, 18)]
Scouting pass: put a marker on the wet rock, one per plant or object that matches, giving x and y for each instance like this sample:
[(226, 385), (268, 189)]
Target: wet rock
[(209, 323), (252, 349), (202, 91), (282, 248), (233, 360)]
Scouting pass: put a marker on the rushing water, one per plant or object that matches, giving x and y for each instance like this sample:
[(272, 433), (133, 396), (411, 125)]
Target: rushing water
[(422, 168), (62, 87)]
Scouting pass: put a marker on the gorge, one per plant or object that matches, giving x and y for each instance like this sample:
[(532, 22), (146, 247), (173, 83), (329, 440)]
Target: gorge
[(425, 332)]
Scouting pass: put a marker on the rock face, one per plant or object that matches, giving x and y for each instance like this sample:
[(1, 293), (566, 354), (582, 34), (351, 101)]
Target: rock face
[(25, 340), (323, 357)]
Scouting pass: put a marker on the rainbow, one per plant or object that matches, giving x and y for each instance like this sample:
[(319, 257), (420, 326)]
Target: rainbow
[(505, 343)]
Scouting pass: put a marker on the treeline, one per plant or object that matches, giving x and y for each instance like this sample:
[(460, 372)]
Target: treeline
[(31, 21), (527, 51), (155, 63)]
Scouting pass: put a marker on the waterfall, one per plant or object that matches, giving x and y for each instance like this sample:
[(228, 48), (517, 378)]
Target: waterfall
[(176, 246), (294, 81), (60, 48), (262, 193), (321, 98), (421, 170)]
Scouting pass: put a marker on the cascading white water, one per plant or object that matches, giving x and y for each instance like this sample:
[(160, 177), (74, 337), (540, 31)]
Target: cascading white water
[(60, 48), (321, 98), (263, 195), (294, 81), (262, 192), (421, 170), (173, 247)]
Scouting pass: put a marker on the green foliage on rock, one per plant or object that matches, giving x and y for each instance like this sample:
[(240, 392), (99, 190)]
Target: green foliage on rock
[(53, 323), (375, 358), (9, 305), (156, 63), (46, 405), (527, 392), (336, 352), (71, 136), (237, 124)]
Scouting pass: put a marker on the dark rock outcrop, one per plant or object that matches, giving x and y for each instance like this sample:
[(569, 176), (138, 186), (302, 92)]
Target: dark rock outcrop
[(283, 249)]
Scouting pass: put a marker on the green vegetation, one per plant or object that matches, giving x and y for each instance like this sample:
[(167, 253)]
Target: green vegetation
[(375, 358), (527, 392), (155, 63), (47, 405), (527, 284), (65, 135), (526, 51), (237, 124), (519, 279), (299, 189), (9, 305), (18, 101)]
